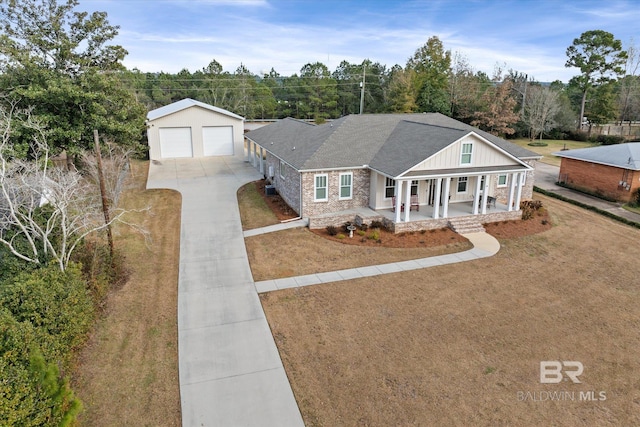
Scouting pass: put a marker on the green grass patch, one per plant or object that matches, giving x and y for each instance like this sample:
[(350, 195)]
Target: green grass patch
[(635, 209), (550, 146)]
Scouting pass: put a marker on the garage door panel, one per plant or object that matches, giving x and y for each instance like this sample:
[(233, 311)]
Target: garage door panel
[(217, 140), (175, 142)]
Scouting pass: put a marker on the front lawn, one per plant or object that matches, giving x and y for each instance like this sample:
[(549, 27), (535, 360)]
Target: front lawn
[(462, 344), (553, 145)]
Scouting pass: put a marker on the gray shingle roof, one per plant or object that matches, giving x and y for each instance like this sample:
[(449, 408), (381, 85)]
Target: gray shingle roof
[(388, 141), (626, 156), (186, 103)]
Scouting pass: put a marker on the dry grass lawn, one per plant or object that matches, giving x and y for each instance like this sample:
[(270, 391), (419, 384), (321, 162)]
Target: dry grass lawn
[(128, 373), (553, 145), (455, 345)]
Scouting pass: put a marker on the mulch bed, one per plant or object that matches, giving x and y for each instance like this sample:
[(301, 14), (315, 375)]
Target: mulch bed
[(275, 203)]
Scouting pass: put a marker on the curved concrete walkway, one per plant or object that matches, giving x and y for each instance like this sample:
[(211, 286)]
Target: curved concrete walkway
[(484, 245), (230, 369)]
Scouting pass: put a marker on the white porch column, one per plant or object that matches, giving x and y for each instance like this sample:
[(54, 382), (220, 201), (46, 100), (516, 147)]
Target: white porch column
[(255, 156), (407, 202), (436, 202), (447, 190), (398, 193), (484, 193), (249, 145), (476, 196), (519, 193), (512, 186), (261, 161)]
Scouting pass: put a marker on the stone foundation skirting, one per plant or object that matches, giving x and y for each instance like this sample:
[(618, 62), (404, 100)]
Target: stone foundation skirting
[(402, 227)]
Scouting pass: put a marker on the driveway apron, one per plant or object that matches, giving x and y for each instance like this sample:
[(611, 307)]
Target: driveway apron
[(230, 371)]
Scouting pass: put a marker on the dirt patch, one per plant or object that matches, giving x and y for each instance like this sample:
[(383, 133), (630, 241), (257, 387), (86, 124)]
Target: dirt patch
[(462, 344), (128, 373)]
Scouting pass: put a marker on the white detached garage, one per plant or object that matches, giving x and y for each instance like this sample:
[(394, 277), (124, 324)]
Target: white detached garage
[(190, 128)]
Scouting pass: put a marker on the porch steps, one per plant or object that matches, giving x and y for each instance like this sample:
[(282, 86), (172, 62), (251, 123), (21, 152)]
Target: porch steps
[(464, 225)]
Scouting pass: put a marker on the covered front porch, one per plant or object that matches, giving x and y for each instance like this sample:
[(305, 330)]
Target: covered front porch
[(441, 194)]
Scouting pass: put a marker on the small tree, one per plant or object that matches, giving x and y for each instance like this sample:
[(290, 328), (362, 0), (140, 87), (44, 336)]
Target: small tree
[(498, 115)]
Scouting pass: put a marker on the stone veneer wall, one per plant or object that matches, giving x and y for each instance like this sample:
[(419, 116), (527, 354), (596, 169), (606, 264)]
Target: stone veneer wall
[(289, 186), (359, 193), (502, 193)]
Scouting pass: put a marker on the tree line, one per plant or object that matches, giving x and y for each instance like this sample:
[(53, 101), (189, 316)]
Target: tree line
[(434, 79)]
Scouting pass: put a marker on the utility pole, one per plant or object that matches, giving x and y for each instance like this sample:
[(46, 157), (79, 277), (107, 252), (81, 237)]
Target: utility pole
[(364, 68), (103, 193)]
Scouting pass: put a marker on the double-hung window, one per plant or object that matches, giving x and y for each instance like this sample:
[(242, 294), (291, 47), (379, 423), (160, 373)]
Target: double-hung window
[(502, 180), (346, 185), (282, 169), (467, 149), (414, 188), (462, 184), (389, 188), (320, 188)]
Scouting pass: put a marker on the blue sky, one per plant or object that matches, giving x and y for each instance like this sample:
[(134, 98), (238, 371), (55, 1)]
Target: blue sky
[(525, 35)]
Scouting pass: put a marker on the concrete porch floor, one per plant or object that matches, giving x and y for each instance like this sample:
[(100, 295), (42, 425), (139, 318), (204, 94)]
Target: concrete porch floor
[(456, 209)]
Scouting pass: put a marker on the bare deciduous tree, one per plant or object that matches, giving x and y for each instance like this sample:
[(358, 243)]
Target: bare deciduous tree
[(45, 212), (540, 109)]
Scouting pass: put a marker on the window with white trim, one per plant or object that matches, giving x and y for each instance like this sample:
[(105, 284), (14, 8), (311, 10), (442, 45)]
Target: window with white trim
[(282, 169), (320, 188), (467, 149), (462, 184), (414, 188), (502, 180), (346, 185), (389, 188)]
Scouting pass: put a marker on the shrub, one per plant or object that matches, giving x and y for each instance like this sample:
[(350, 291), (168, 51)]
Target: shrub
[(529, 208), (577, 135), (361, 232), (332, 230), (376, 224), (609, 139), (635, 197), (56, 303), (346, 226), (364, 227), (341, 236), (375, 234)]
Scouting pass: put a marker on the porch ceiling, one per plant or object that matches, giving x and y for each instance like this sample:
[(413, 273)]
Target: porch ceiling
[(440, 173)]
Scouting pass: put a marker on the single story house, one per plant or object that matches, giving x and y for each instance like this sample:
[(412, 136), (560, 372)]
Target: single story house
[(190, 128), (414, 171), (611, 171)]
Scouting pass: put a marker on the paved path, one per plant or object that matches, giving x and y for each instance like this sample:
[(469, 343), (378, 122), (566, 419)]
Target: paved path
[(484, 245), (547, 176), (230, 370)]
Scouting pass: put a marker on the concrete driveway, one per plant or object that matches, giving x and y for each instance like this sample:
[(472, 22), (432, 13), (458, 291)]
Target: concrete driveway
[(230, 370)]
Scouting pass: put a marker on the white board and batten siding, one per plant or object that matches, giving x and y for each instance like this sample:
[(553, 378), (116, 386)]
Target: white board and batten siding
[(483, 154), (190, 128)]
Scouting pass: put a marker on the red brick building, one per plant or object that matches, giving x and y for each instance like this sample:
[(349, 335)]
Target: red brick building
[(611, 171)]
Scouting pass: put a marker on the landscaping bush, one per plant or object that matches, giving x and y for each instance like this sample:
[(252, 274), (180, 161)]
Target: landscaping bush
[(340, 236), (375, 234), (332, 230), (635, 198), (529, 208), (578, 135), (364, 227), (608, 139), (376, 224)]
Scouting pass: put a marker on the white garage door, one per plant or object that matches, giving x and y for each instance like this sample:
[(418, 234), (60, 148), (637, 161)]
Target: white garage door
[(217, 140), (175, 142)]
